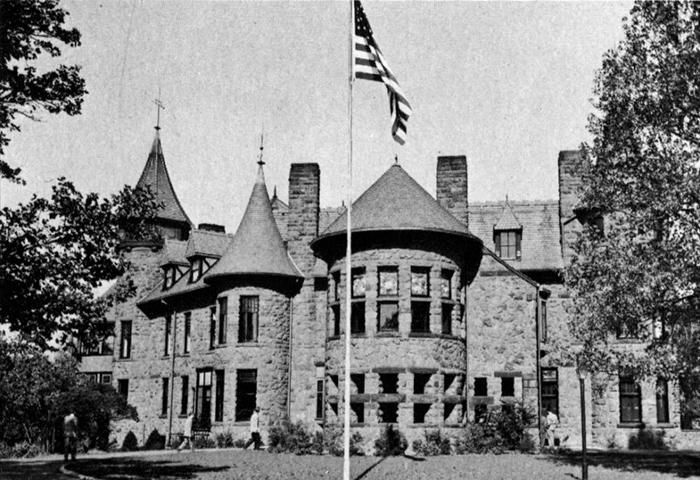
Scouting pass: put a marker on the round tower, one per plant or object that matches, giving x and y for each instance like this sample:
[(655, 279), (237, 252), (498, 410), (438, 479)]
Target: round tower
[(255, 280), (411, 261)]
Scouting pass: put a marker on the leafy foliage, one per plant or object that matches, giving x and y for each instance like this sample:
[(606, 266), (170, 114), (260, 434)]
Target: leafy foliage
[(646, 439), (434, 443), (292, 437), (391, 442), (224, 440), (28, 30), (333, 439), (36, 394), (643, 270), (503, 430), (57, 251)]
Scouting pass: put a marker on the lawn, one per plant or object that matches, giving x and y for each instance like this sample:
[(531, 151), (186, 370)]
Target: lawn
[(237, 464)]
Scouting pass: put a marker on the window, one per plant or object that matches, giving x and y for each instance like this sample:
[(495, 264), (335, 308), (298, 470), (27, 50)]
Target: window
[(388, 281), (358, 379), (359, 410), (212, 328), (358, 283), (319, 399), (627, 331), (481, 387), (186, 339), (662, 414), (357, 317), (550, 390), (388, 315), (420, 282), (164, 396), (100, 377), (449, 380), (125, 344), (388, 412), (185, 394), (168, 329), (507, 386), (336, 286), (104, 347), (447, 409), (508, 244), (219, 406), (335, 311), (123, 387), (169, 277), (246, 390), (447, 318), (248, 319), (446, 284), (630, 401), (223, 319), (196, 269), (420, 317), (543, 320), (420, 381), (388, 383), (203, 398), (420, 410)]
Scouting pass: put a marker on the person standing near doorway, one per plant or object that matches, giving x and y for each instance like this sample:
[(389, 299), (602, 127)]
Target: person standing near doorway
[(188, 440), (254, 429), (70, 436)]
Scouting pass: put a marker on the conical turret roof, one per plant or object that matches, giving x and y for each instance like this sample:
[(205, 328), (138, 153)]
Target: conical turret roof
[(155, 175), (397, 202), (257, 247)]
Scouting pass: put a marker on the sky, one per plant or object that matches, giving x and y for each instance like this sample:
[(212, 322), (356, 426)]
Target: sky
[(508, 84)]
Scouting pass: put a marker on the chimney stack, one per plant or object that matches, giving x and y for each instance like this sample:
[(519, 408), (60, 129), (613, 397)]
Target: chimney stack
[(303, 213), (452, 187)]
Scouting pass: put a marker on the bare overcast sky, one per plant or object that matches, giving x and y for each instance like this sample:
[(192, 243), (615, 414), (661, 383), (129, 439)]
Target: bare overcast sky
[(508, 84)]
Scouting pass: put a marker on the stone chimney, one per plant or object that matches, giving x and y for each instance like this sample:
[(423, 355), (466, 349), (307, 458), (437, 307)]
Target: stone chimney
[(452, 187), (571, 168), (303, 213)]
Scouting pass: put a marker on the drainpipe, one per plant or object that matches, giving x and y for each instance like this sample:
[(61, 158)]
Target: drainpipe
[(538, 369), (173, 347), (465, 387), (289, 377)]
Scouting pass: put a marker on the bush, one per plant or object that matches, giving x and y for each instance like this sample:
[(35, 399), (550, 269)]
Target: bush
[(130, 443), (155, 441), (648, 440), (503, 430), (204, 442), (293, 437), (478, 438), (435, 443), (333, 439), (391, 442), (21, 450), (239, 443), (224, 440)]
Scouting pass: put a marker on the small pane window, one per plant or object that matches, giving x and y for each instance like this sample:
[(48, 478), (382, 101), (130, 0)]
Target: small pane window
[(420, 381), (335, 311), (420, 282), (507, 386), (164, 396), (420, 317), (358, 283), (550, 390), (223, 319), (246, 394), (662, 414), (186, 339), (358, 409), (336, 286), (248, 319), (508, 244), (481, 387), (125, 346), (357, 318), (123, 387), (185, 394), (358, 379), (388, 316), (420, 411), (168, 329), (630, 401), (319, 400), (447, 318), (446, 284), (196, 270), (219, 405), (212, 328), (388, 281), (388, 412), (389, 383)]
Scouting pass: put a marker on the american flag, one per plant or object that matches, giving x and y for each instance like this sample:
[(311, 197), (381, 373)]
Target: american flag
[(370, 65)]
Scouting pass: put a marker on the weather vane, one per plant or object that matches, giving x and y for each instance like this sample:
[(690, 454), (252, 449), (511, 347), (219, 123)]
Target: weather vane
[(262, 134), (159, 106)]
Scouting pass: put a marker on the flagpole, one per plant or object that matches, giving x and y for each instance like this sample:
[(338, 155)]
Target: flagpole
[(348, 253)]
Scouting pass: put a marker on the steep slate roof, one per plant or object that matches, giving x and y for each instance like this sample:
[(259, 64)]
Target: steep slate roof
[(174, 252), (507, 220), (397, 202), (257, 247), (155, 175), (540, 237), (207, 243)]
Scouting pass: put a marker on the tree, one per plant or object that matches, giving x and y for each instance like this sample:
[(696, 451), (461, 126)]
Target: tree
[(57, 251), (639, 276), (28, 30)]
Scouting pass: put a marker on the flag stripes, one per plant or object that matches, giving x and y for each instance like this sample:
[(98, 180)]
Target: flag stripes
[(371, 65)]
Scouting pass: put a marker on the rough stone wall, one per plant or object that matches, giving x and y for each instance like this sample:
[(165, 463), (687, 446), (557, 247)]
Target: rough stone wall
[(403, 353), (452, 186), (307, 332), (571, 168)]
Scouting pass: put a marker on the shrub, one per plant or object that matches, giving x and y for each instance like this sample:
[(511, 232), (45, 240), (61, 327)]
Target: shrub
[(648, 440), (293, 437), (21, 450), (478, 438), (239, 443), (435, 443), (503, 430), (130, 443), (224, 440), (333, 439), (204, 442), (391, 442), (155, 441)]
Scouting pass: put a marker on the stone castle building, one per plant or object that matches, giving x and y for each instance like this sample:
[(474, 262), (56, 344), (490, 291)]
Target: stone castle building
[(453, 308)]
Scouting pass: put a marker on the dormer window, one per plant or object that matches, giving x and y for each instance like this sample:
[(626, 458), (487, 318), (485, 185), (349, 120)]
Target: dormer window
[(169, 277), (196, 269), (508, 244)]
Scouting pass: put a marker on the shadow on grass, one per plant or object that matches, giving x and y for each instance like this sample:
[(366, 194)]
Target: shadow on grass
[(10, 470), (370, 468), (678, 464), (135, 469)]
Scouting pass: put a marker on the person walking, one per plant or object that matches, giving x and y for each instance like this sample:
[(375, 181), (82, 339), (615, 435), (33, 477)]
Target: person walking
[(187, 440), (70, 436), (254, 430), (549, 423)]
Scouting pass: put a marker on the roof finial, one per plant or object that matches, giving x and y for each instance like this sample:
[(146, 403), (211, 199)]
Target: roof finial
[(274, 193), (506, 197), (262, 135), (396, 159), (159, 107)]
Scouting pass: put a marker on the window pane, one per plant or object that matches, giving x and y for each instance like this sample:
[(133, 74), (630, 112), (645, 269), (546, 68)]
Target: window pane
[(507, 386), (446, 284), (358, 283), (357, 317), (420, 317), (246, 390), (388, 281), (389, 317), (420, 282)]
